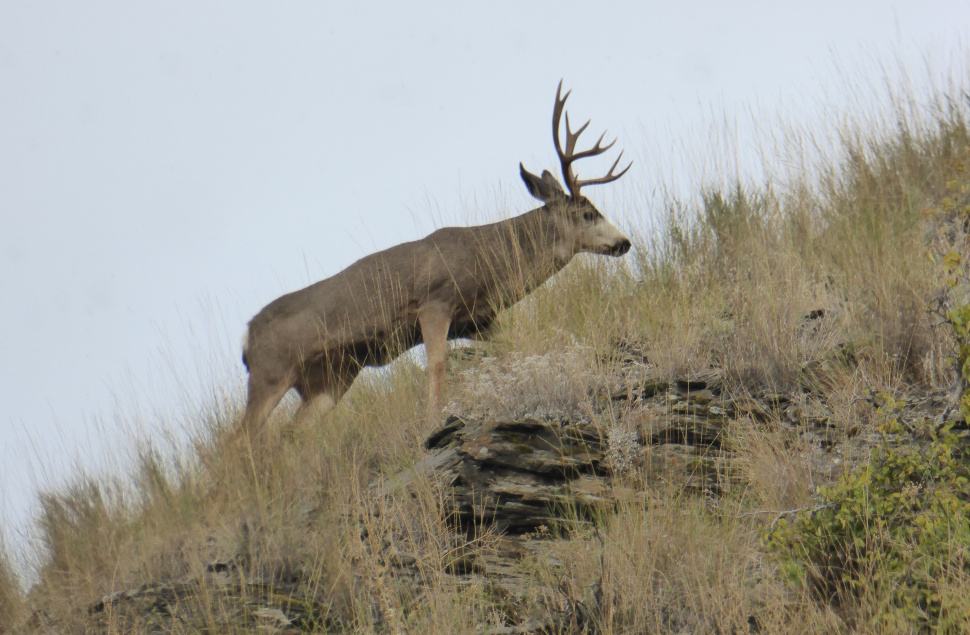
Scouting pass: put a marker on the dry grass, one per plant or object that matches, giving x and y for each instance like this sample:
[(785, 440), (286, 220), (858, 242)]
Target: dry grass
[(731, 281), (671, 564), (11, 602)]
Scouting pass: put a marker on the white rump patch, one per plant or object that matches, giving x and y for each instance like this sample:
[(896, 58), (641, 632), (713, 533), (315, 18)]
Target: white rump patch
[(245, 340)]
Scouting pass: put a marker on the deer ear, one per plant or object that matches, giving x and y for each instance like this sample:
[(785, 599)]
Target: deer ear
[(545, 188)]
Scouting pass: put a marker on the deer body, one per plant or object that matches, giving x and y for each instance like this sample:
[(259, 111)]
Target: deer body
[(370, 310), (447, 285)]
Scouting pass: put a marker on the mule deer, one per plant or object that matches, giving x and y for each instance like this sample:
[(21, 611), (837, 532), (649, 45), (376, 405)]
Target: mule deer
[(445, 286)]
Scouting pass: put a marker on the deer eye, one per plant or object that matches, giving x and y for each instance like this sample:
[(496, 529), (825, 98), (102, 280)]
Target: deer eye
[(589, 216)]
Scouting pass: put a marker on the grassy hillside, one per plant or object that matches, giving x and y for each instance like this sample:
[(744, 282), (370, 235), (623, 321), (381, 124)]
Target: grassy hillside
[(817, 285)]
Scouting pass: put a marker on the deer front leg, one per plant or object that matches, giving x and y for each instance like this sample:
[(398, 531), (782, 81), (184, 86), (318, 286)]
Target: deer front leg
[(434, 321)]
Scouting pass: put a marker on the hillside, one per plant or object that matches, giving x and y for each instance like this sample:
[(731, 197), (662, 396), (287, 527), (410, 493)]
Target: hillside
[(756, 426)]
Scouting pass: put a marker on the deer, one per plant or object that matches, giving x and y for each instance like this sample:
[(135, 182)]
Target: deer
[(449, 285)]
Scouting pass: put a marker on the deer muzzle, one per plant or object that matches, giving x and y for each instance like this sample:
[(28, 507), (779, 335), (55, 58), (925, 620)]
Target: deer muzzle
[(620, 248)]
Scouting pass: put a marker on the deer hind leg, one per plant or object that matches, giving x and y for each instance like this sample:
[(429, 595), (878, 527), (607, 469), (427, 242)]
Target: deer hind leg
[(314, 408), (262, 398), (323, 384), (434, 320)]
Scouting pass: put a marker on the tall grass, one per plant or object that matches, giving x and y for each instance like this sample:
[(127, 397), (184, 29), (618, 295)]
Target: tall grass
[(12, 605), (815, 281)]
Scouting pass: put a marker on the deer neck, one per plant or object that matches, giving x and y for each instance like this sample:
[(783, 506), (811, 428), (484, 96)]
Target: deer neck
[(534, 248)]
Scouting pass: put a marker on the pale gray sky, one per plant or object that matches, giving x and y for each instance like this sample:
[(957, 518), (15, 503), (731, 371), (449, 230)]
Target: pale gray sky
[(166, 169)]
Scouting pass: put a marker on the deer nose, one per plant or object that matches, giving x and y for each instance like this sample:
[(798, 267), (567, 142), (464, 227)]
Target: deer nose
[(620, 248)]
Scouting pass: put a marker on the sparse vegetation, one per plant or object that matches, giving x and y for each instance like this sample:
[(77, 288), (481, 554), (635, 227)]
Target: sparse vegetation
[(829, 454)]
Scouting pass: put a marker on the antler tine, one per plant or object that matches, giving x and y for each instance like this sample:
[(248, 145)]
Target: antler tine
[(610, 177), (572, 138), (557, 117), (595, 150)]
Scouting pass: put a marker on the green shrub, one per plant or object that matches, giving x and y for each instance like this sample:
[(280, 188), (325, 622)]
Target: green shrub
[(892, 531)]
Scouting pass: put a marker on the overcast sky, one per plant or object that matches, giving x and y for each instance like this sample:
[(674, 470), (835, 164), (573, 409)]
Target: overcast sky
[(168, 168)]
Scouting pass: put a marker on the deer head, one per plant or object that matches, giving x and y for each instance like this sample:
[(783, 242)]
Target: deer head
[(584, 228)]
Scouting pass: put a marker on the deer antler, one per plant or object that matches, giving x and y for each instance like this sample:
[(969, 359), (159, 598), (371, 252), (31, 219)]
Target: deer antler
[(569, 155)]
